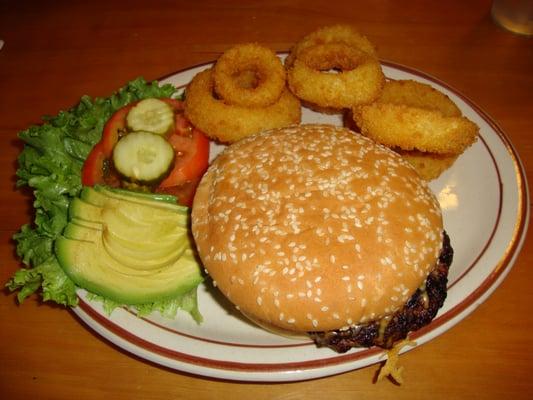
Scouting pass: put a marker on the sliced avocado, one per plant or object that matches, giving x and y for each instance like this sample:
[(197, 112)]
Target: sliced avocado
[(145, 248), (132, 252), (88, 224), (146, 214), (140, 260), (85, 211), (89, 267), (134, 210), (92, 196), (158, 201), (160, 197), (83, 236), (81, 232), (129, 258), (131, 220), (99, 194), (123, 226)]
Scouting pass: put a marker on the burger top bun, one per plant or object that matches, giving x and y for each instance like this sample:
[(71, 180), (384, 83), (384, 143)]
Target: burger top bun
[(315, 228)]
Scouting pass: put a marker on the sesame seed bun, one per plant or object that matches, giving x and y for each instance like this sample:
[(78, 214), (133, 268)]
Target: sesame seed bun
[(315, 228)]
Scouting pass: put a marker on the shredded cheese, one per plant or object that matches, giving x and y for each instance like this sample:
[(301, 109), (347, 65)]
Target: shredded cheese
[(391, 367)]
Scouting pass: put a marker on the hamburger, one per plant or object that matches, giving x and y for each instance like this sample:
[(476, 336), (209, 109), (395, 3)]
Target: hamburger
[(316, 230)]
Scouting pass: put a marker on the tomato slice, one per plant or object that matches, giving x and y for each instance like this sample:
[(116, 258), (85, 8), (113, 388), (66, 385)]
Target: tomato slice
[(184, 193), (192, 154), (177, 105), (93, 171), (115, 126)]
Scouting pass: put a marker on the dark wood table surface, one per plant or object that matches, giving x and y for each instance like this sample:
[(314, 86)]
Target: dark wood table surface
[(54, 52)]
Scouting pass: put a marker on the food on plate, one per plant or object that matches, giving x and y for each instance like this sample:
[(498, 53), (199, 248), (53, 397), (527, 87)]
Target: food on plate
[(263, 81), (428, 165), (335, 67), (128, 248), (413, 116), (339, 33), (143, 157), (229, 123), (315, 229), (152, 115), (146, 235), (244, 93), (420, 95), (359, 81), (307, 229), (391, 368), (149, 146), (411, 128)]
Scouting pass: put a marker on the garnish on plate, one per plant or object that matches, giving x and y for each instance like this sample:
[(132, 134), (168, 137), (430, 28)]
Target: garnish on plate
[(52, 165)]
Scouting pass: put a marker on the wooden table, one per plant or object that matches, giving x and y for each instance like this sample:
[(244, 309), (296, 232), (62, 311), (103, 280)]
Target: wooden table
[(54, 52)]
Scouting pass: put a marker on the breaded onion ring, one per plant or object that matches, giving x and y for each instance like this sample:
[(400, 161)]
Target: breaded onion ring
[(413, 116), (428, 165), (249, 59), (227, 123), (359, 80), (416, 94), (345, 34)]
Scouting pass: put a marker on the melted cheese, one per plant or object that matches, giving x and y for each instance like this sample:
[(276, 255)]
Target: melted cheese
[(391, 367)]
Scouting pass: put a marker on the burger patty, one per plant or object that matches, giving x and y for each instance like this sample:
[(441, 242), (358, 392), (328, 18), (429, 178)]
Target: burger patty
[(419, 310)]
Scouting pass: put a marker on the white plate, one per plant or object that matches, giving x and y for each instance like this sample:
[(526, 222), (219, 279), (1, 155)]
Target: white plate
[(484, 197)]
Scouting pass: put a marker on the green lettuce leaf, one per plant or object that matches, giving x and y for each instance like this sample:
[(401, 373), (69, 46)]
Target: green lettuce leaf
[(187, 302), (50, 165)]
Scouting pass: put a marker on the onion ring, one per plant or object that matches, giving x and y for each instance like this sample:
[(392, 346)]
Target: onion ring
[(229, 123), (417, 94), (345, 34), (252, 58), (359, 81), (428, 165), (413, 116), (334, 67)]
